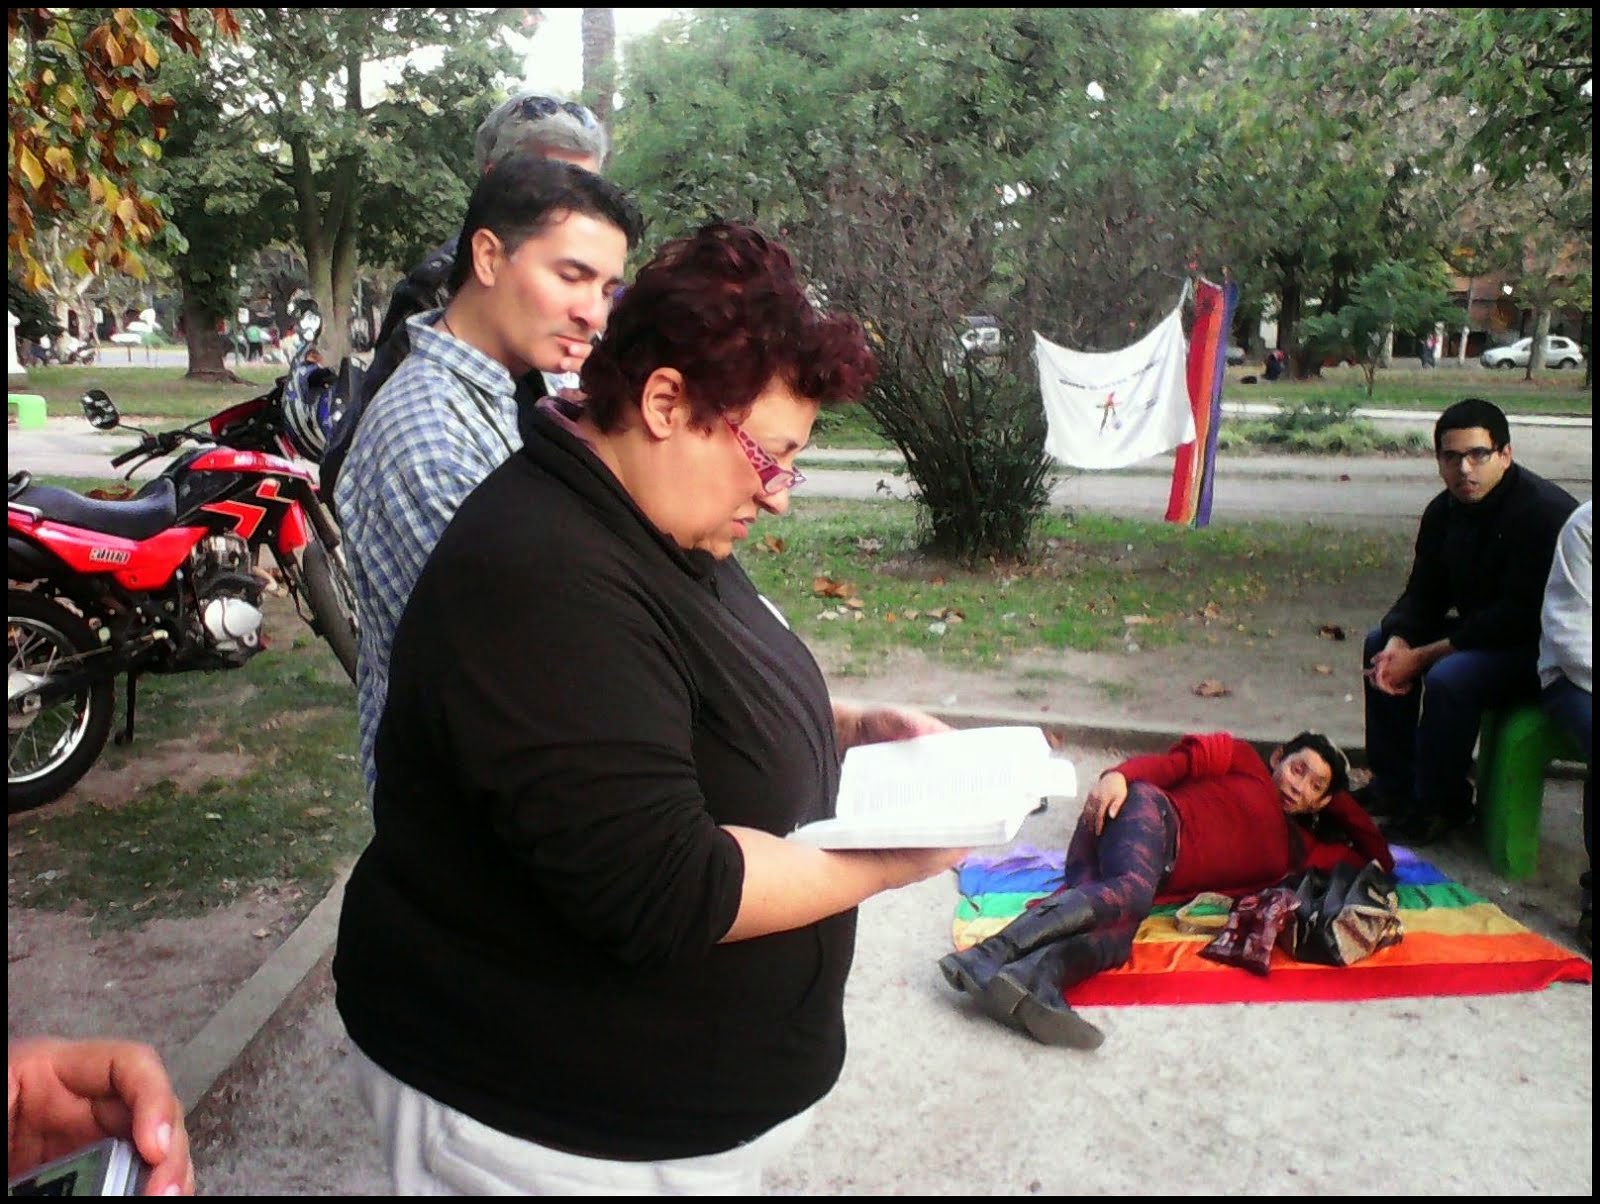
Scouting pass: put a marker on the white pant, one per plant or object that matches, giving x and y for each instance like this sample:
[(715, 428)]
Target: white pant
[(434, 1150)]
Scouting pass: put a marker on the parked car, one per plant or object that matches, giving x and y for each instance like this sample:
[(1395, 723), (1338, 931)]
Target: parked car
[(1558, 353), (982, 335), (1235, 354)]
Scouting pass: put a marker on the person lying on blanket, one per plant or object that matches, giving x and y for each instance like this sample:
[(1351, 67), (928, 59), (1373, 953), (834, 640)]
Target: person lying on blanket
[(1208, 816)]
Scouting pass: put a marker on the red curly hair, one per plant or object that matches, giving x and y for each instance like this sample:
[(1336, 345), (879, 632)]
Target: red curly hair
[(725, 307)]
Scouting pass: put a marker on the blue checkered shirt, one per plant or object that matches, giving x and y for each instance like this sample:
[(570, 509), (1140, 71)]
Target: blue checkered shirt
[(443, 422)]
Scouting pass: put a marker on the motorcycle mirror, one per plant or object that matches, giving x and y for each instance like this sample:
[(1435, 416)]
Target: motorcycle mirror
[(100, 410)]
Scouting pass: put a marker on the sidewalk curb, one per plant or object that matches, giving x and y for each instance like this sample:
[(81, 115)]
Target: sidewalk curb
[(207, 1055), (203, 1060)]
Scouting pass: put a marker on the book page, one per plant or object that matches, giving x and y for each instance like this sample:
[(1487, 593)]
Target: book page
[(971, 787), (976, 771)]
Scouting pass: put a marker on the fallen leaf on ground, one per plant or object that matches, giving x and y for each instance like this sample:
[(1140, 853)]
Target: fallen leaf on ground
[(891, 617), (869, 545), (911, 615), (854, 603), (1211, 611), (1325, 670), (259, 933), (936, 581), (827, 587), (114, 493), (772, 544), (1331, 631), (1134, 620), (1211, 688)]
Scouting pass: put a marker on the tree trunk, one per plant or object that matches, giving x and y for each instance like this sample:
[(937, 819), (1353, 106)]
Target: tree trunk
[(1466, 326), (1289, 324), (1541, 331), (207, 345), (599, 60)]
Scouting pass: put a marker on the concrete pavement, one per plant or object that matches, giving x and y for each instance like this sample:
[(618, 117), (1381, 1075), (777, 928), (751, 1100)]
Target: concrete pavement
[(1457, 1095)]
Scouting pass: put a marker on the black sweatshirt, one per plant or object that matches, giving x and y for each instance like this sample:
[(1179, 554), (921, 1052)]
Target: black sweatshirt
[(575, 706), (1487, 562)]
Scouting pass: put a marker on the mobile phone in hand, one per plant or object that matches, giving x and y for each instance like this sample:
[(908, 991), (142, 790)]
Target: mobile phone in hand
[(111, 1167)]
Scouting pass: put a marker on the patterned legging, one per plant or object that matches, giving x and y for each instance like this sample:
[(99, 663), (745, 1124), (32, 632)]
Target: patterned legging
[(1119, 872)]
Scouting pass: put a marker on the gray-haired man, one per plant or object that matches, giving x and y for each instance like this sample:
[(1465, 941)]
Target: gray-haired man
[(542, 125)]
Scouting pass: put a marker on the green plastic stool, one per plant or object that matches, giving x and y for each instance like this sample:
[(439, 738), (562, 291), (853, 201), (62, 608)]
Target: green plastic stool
[(30, 410), (1515, 745)]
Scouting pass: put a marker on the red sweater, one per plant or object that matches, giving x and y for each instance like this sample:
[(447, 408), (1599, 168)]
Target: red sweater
[(1233, 833)]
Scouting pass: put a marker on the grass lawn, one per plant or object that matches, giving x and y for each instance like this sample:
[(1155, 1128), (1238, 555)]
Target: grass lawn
[(850, 572), (1411, 388), (145, 392), (235, 779)]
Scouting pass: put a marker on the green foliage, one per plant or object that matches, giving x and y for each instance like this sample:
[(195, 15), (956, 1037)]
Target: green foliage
[(391, 171), (86, 123), (1305, 180), (34, 315), (926, 164), (1526, 74), (1320, 429), (1389, 298)]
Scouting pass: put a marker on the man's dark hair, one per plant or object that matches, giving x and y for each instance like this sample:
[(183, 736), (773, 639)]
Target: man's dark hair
[(1338, 763), (526, 193), (1469, 413)]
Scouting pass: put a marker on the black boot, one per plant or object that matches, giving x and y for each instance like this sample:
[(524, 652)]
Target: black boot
[(1027, 994), (1057, 917)]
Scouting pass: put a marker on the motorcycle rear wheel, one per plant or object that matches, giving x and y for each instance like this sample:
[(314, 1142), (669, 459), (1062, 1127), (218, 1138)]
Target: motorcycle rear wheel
[(332, 597), (49, 749)]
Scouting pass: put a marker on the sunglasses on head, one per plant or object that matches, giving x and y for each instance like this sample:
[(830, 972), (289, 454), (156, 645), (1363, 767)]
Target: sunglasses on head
[(537, 107)]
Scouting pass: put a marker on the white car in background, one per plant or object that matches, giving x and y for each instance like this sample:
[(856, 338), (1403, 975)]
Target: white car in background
[(1558, 353)]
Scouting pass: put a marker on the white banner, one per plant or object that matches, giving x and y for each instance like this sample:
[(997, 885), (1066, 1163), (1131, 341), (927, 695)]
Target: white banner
[(1113, 409)]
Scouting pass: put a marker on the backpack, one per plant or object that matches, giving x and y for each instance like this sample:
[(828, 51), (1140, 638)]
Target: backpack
[(422, 289), (1343, 915)]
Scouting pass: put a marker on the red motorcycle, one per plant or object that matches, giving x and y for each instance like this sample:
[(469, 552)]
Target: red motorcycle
[(164, 582)]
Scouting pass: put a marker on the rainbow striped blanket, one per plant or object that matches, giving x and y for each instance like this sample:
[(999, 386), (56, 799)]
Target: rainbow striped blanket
[(1456, 943)]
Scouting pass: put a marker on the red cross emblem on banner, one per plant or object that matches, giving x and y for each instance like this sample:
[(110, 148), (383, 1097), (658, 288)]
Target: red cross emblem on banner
[(1108, 410)]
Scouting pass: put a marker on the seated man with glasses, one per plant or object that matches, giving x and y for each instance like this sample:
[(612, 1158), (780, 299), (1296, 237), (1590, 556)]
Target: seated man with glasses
[(1464, 636)]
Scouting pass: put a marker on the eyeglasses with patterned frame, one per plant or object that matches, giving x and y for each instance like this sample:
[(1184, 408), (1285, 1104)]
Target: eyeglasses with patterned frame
[(775, 478), (1477, 457), (537, 107)]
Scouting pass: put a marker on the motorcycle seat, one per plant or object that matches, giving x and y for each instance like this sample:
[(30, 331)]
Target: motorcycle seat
[(149, 512)]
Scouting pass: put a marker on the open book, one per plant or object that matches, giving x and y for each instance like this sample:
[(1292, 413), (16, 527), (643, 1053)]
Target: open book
[(952, 790)]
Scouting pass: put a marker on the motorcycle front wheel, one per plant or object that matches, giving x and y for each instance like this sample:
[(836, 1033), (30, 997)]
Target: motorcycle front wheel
[(332, 598), (49, 746)]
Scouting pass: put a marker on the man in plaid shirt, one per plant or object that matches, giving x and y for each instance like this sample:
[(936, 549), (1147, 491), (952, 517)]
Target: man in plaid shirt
[(540, 255)]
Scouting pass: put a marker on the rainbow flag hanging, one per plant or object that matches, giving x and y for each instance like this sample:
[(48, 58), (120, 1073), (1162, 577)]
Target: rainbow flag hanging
[(1456, 943), (1190, 499)]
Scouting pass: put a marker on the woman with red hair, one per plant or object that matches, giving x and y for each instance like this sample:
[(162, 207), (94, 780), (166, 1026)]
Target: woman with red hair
[(579, 954)]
